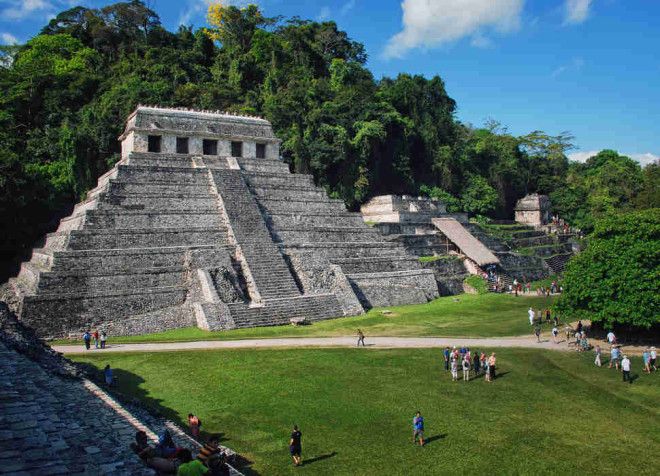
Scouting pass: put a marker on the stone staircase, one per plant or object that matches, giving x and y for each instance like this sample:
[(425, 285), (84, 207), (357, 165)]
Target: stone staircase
[(302, 219)]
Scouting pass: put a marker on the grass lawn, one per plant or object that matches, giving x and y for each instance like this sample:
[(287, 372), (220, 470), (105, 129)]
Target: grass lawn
[(549, 412), (489, 315)]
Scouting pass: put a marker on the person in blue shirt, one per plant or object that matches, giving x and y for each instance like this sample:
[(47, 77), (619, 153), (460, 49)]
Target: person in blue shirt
[(107, 373), (615, 354), (418, 428), (445, 353)]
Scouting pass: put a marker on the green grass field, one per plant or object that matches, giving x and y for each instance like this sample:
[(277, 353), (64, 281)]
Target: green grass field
[(549, 412), (489, 315)]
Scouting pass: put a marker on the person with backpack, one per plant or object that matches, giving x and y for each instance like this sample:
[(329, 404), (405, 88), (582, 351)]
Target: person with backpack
[(466, 369), (104, 338), (87, 338), (194, 423)]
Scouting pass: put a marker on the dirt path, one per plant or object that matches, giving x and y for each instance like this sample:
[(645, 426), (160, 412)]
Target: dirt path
[(371, 343)]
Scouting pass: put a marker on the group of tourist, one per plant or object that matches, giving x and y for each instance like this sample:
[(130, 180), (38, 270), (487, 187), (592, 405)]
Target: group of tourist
[(166, 458), (100, 340), (469, 362)]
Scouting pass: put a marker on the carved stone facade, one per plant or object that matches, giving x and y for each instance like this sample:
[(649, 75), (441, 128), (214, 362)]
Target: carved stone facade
[(217, 234)]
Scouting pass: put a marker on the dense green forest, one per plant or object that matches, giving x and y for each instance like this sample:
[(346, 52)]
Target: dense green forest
[(67, 91)]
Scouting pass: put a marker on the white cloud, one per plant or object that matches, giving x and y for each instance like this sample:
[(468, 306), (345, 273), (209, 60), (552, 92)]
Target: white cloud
[(430, 23), (21, 9), (347, 7), (576, 11), (481, 41), (8, 39), (575, 65), (643, 159), (324, 14)]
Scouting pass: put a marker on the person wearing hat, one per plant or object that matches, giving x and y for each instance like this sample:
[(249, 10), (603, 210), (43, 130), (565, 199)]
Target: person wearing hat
[(625, 367)]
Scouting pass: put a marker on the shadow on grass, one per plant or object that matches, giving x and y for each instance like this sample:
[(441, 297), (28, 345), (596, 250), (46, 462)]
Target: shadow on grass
[(501, 374), (319, 458), (440, 436), (127, 389)]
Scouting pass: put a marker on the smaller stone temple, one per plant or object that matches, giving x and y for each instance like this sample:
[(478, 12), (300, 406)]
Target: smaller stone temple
[(533, 210)]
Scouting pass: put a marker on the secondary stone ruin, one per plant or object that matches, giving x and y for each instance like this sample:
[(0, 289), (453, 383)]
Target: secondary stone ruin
[(201, 224), (453, 248), (533, 210)]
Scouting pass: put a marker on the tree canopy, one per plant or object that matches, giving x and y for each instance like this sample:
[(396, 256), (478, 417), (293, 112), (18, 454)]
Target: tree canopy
[(67, 91), (614, 281)]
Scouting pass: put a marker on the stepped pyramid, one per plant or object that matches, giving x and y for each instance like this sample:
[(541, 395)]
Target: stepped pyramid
[(201, 224)]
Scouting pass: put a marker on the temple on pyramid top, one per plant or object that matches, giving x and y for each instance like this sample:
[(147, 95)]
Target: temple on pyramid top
[(201, 224), (183, 131)]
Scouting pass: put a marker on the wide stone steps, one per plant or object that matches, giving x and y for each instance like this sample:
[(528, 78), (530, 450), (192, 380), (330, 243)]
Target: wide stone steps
[(315, 219), (324, 205), (159, 202), (257, 179), (558, 263), (288, 193), (123, 260), (141, 238), (76, 310), (160, 159), (376, 264), (136, 219), (263, 165), (280, 311), (108, 280), (176, 175), (333, 250), (133, 187), (320, 234)]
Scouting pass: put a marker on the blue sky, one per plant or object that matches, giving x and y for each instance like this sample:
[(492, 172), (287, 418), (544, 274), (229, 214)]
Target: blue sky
[(591, 67)]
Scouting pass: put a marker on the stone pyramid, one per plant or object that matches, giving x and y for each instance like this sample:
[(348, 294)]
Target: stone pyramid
[(201, 224)]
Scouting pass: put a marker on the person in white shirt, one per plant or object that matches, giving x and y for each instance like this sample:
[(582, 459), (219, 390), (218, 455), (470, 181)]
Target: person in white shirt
[(530, 313), (611, 338), (625, 367), (654, 355)]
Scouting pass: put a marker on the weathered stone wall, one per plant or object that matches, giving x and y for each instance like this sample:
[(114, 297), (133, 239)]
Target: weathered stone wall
[(394, 289)]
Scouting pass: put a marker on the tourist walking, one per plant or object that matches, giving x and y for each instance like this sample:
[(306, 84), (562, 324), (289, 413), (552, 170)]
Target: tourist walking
[(418, 428), (454, 368), (360, 336), (568, 330), (555, 333), (466, 369), (104, 338), (611, 338), (625, 367), (537, 332), (597, 361), (654, 356), (476, 363), (615, 353), (530, 314), (95, 335), (579, 327), (491, 367), (194, 423), (87, 338), (107, 374), (295, 446), (646, 359)]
